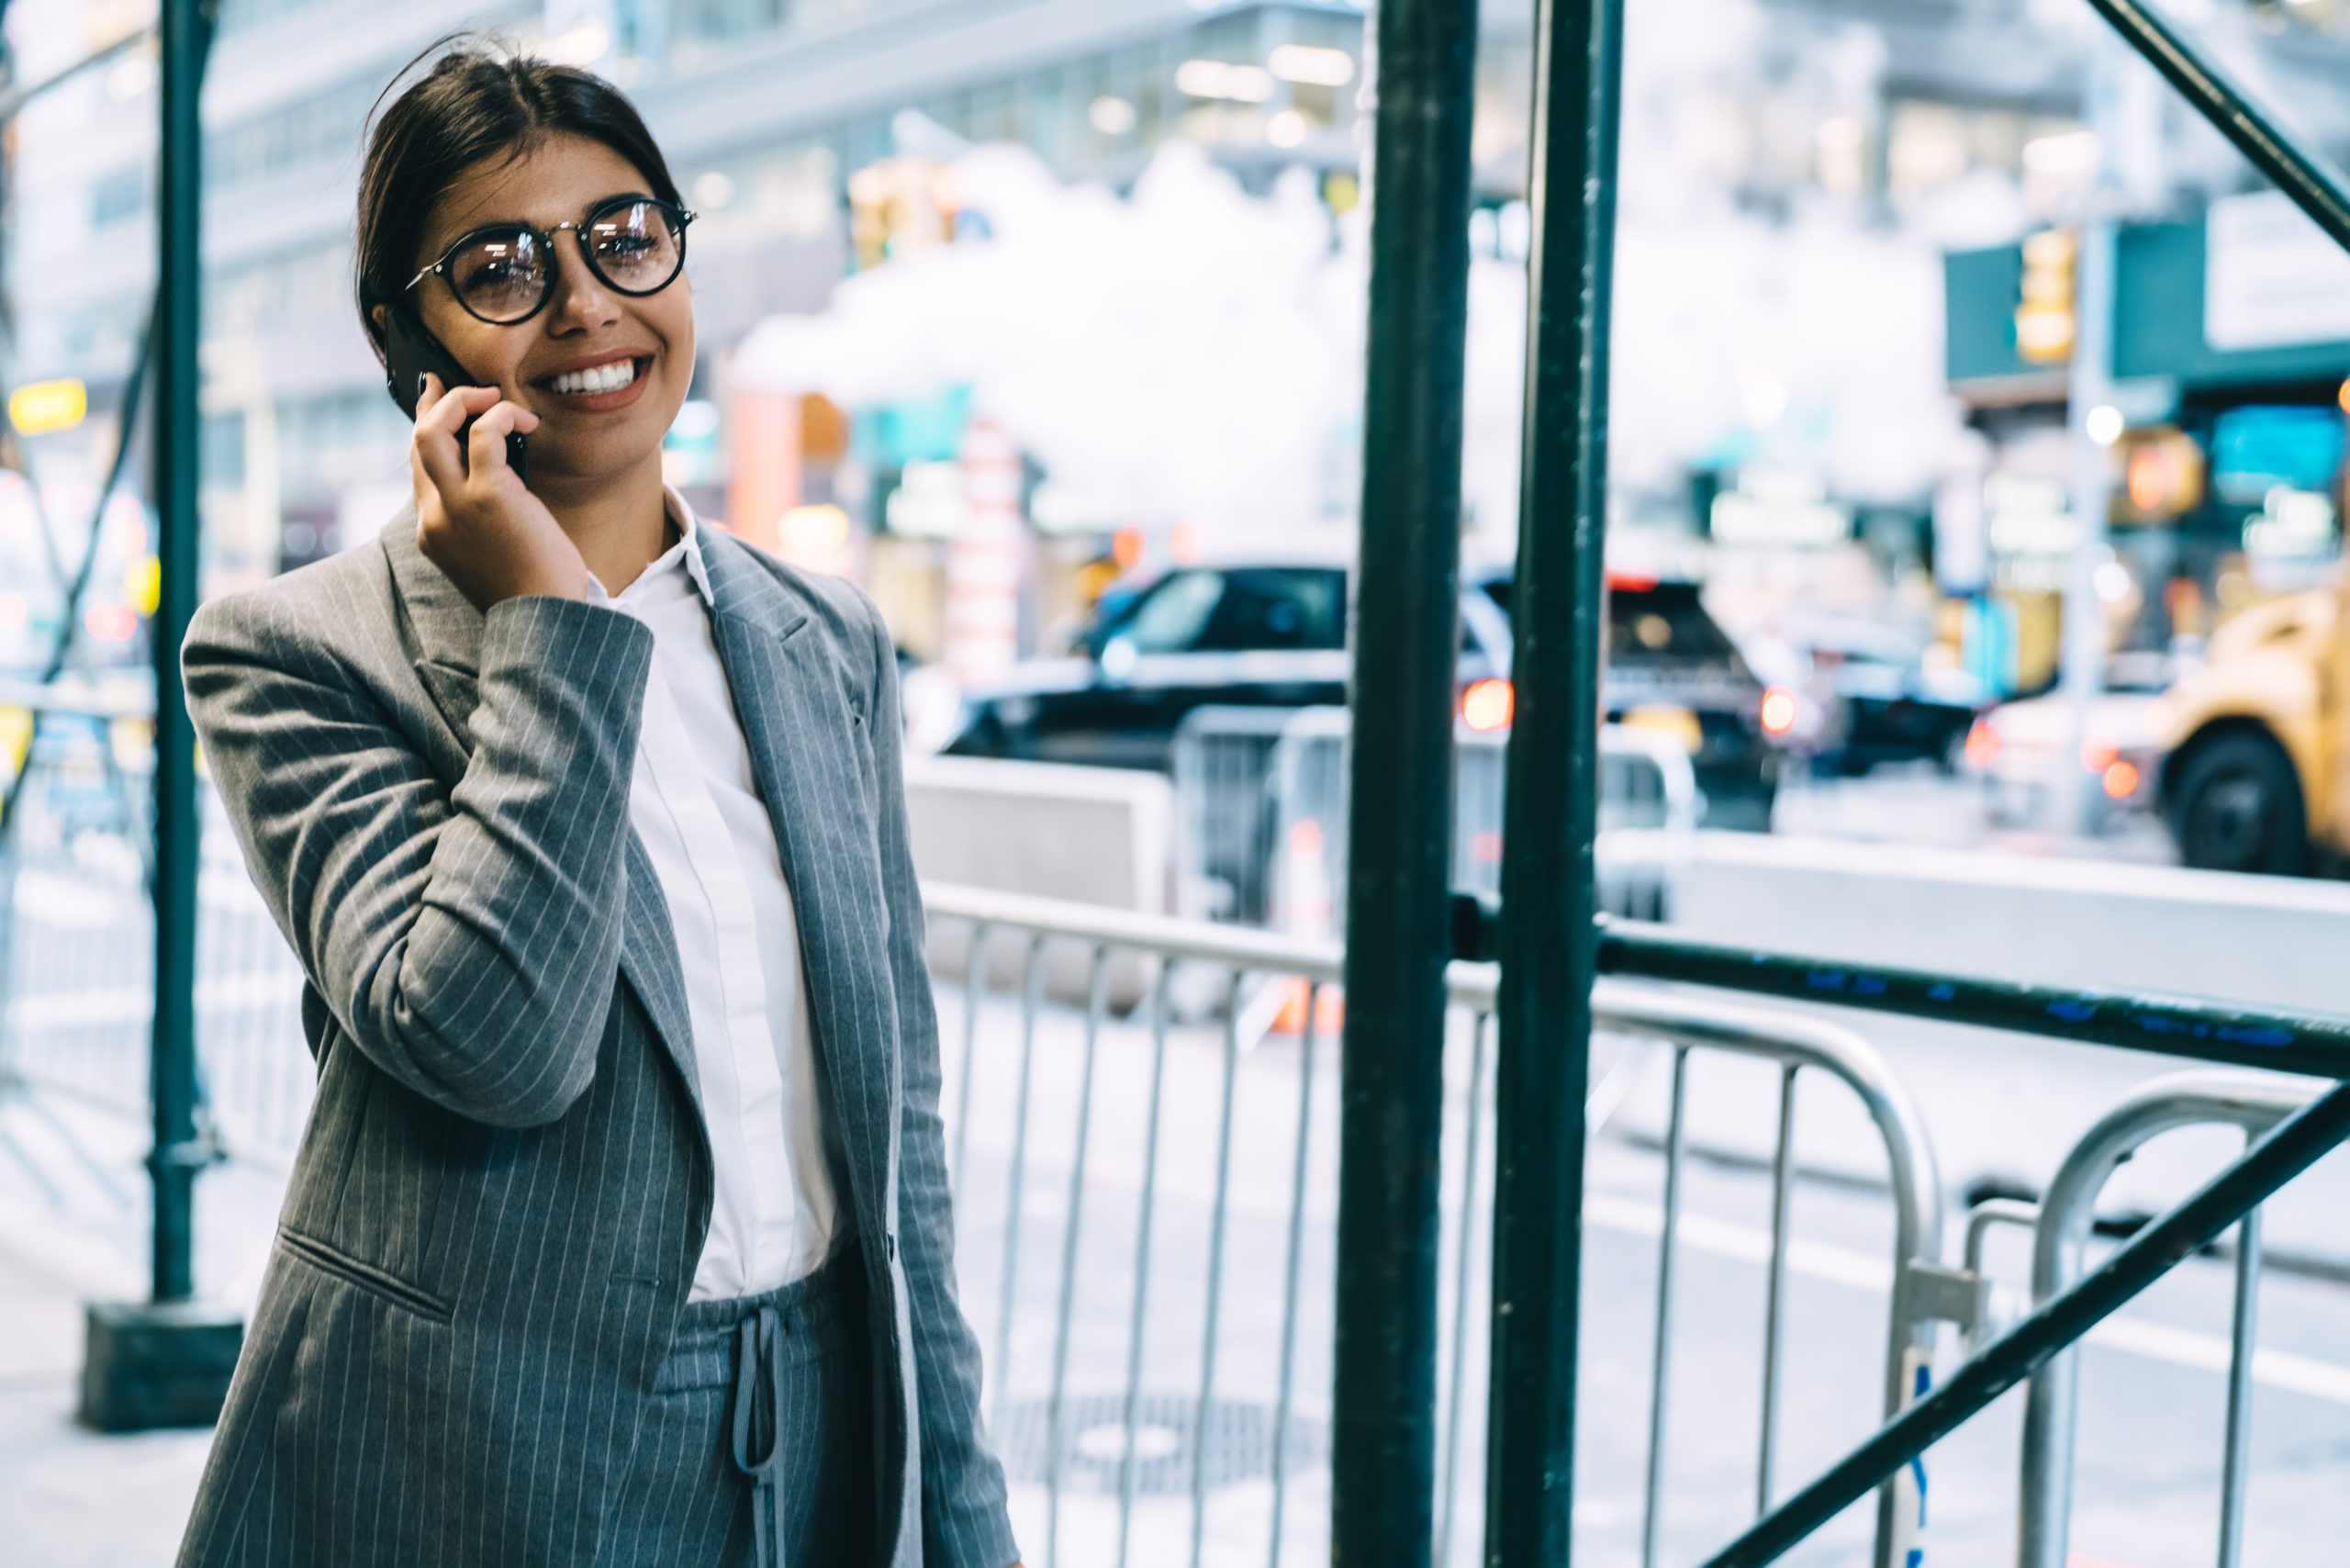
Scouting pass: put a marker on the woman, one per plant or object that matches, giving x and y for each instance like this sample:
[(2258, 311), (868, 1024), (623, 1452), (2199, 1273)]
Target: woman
[(619, 1232)]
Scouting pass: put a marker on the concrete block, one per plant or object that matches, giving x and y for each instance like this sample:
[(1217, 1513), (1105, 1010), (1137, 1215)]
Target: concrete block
[(150, 1365), (1093, 836)]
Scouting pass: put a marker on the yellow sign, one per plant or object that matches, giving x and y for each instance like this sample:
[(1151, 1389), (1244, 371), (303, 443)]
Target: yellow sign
[(39, 407), (16, 741), (142, 584)]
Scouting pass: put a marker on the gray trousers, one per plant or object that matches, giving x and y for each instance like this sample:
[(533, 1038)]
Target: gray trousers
[(757, 1448)]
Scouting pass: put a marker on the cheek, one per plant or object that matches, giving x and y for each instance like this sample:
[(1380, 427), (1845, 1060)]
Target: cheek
[(676, 325), (489, 355)]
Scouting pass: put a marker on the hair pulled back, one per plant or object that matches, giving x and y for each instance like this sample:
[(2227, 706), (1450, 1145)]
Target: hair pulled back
[(479, 100)]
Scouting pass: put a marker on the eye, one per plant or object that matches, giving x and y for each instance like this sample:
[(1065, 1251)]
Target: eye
[(495, 260)]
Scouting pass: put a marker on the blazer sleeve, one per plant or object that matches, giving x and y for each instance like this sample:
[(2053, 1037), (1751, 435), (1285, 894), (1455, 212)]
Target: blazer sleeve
[(966, 1522), (464, 939)]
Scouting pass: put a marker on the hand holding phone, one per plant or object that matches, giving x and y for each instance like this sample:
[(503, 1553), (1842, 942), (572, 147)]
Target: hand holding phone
[(410, 353), (474, 519)]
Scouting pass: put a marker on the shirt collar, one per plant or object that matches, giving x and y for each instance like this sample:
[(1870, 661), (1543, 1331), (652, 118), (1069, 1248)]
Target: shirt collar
[(690, 527), (685, 552)]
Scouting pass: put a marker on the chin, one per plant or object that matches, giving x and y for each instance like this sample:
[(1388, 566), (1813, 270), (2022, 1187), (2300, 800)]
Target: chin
[(586, 458)]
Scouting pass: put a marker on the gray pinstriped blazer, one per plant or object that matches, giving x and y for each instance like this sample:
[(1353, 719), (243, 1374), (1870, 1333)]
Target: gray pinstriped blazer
[(505, 1184)]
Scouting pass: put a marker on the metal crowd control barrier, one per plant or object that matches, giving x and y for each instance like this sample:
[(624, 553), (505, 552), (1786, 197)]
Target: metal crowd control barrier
[(1071, 1402), (77, 946), (2169, 1026), (2183, 1100), (1262, 800)]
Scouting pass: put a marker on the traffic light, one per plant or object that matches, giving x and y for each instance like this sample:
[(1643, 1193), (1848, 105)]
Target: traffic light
[(899, 204), (2045, 322)]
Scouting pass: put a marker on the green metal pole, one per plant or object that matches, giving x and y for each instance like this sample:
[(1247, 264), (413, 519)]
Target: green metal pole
[(167, 1362), (1547, 961), (2232, 112), (1398, 916), (176, 1158), (2187, 1027)]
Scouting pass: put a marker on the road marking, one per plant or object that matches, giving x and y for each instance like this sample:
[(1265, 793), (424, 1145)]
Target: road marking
[(2189, 1348)]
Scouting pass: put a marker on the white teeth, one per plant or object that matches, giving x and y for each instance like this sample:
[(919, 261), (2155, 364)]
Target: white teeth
[(603, 378)]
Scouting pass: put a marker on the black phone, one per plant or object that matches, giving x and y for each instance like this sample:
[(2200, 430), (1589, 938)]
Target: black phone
[(410, 349)]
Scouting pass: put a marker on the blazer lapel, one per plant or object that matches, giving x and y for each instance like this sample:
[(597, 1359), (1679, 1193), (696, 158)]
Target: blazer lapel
[(440, 627), (800, 724), (443, 631)]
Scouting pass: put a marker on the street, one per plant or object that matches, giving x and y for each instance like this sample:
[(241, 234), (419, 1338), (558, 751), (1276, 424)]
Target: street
[(1854, 495), (2152, 1392)]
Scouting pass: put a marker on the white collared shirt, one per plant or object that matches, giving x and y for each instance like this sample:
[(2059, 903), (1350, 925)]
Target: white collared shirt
[(695, 803)]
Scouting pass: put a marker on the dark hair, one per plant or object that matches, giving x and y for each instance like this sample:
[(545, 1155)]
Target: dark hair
[(477, 102)]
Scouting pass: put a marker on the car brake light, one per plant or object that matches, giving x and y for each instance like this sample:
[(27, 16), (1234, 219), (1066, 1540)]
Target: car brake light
[(1488, 705), (1779, 711), (2120, 781), (1982, 745)]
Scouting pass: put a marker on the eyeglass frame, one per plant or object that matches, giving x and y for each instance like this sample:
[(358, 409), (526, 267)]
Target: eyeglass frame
[(545, 236)]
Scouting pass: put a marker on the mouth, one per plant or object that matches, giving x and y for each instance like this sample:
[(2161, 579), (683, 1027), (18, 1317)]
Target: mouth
[(615, 383)]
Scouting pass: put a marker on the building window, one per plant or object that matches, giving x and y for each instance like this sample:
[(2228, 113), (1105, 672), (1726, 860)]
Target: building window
[(224, 450), (120, 197), (695, 22), (236, 15), (308, 130), (299, 286)]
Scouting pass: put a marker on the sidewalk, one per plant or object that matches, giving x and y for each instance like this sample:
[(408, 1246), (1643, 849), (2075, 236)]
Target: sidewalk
[(68, 1495)]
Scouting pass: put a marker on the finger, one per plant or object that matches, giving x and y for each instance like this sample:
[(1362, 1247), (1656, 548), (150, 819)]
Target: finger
[(487, 439), (429, 505), (458, 405), (434, 451), (429, 391), (436, 431)]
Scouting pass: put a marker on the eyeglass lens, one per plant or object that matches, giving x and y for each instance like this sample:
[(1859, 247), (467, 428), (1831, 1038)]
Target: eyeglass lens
[(501, 274)]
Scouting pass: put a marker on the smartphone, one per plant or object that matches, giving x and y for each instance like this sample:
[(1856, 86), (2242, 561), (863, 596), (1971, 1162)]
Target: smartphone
[(410, 349)]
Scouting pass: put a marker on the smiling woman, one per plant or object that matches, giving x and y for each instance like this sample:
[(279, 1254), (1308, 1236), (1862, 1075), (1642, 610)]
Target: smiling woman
[(619, 1234)]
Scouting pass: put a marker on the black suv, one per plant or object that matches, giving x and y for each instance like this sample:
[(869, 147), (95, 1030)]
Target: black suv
[(1272, 633)]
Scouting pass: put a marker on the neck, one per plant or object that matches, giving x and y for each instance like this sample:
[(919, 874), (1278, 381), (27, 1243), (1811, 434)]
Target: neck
[(619, 521)]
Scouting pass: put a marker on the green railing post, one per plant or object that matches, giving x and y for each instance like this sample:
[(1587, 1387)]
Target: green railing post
[(1547, 958), (1400, 842), (172, 1083), (2231, 111), (167, 1362)]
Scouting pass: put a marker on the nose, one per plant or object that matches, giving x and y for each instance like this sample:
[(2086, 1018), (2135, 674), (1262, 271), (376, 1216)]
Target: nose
[(581, 302)]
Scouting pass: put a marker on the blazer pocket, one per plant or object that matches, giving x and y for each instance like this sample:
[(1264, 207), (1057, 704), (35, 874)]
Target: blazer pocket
[(361, 1275)]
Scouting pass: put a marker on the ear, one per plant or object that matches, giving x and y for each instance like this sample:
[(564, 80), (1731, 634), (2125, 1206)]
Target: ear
[(377, 318)]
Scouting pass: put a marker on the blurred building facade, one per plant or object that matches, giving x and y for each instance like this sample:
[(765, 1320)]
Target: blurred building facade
[(1960, 125)]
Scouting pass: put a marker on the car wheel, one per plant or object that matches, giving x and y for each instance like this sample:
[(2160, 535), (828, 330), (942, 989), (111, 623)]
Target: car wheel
[(2238, 808), (1952, 760)]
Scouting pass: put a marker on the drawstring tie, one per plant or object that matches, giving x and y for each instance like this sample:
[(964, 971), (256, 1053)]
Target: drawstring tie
[(758, 1370)]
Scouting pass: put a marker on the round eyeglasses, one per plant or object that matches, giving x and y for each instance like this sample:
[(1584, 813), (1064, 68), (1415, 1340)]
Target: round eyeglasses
[(504, 273)]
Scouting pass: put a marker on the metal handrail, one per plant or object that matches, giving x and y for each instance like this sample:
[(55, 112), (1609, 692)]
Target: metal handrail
[(2193, 1028), (1231, 945), (81, 698), (2182, 1100)]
